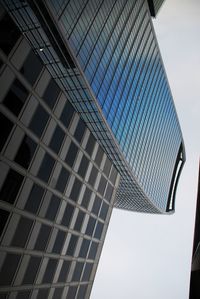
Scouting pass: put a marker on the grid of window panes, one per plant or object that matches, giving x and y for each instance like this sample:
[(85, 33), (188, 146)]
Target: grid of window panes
[(68, 78), (116, 48), (143, 124), (57, 186)]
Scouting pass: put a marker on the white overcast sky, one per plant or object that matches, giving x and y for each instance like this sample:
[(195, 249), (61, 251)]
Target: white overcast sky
[(148, 256)]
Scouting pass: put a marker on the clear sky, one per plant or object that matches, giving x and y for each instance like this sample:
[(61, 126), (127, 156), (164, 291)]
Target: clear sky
[(148, 256)]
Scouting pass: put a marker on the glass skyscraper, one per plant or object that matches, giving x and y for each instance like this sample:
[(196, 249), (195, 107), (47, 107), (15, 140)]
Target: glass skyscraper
[(87, 123), (105, 56)]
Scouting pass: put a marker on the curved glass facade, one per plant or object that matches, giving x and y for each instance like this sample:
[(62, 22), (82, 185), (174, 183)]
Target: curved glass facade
[(115, 45), (106, 58), (88, 124)]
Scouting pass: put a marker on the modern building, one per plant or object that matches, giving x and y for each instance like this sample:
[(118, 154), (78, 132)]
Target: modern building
[(87, 123), (105, 57), (195, 269), (57, 184)]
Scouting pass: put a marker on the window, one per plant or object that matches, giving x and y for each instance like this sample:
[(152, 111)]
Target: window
[(107, 167), (71, 292), (62, 180), (39, 121), (43, 237), (9, 268), (81, 292), (57, 140), (109, 192), (34, 200), (87, 272), (46, 167), (25, 152), (69, 211), (83, 166), (50, 271), (7, 125), (93, 176), (96, 205), (90, 226), (71, 155), (77, 272), (11, 186), (59, 241), (99, 156), (3, 219), (75, 190), (9, 33), (51, 93), (86, 198), (22, 232), (113, 175), (90, 145), (43, 293), (84, 248), (79, 221), (102, 185), (93, 251), (80, 130), (98, 230), (32, 269), (104, 211), (72, 245), (23, 295), (64, 271), (53, 208), (57, 293), (31, 68), (67, 114), (16, 97)]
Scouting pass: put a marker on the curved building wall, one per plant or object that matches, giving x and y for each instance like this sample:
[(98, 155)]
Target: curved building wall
[(104, 55), (115, 45)]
